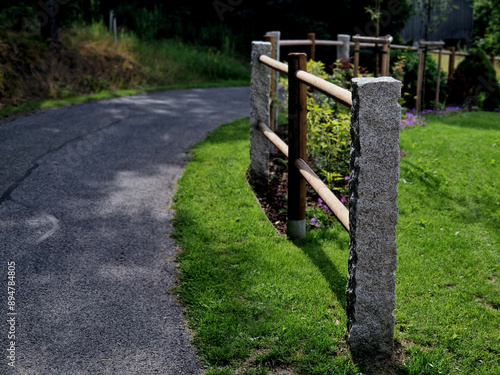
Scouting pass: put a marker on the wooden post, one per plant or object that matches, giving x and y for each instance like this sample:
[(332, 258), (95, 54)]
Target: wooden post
[(438, 78), (270, 39), (385, 58), (451, 64), (356, 58), (492, 58), (297, 140), (111, 16), (312, 48), (420, 76), (115, 34)]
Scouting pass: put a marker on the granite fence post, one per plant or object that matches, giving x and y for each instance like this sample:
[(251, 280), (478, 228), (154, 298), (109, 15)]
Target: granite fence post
[(277, 35), (373, 215), (343, 50), (260, 86)]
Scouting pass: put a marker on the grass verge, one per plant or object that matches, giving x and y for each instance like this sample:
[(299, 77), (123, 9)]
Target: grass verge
[(52, 103), (92, 66), (260, 304)]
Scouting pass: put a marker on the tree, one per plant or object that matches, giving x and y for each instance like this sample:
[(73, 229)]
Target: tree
[(436, 12), (486, 25)]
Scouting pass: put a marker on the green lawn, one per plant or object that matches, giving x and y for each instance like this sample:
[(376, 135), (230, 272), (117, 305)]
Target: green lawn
[(260, 304)]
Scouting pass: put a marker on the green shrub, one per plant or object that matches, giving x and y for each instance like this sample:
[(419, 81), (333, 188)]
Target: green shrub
[(474, 82), (14, 17), (328, 128), (405, 68)]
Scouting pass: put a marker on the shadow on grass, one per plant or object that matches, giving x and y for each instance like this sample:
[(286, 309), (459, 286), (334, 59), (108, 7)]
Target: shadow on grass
[(33, 105), (231, 134), (315, 251), (488, 120), (470, 207)]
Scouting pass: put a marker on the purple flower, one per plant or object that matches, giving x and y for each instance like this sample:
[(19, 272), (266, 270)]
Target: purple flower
[(347, 178), (320, 200), (343, 199), (314, 222)]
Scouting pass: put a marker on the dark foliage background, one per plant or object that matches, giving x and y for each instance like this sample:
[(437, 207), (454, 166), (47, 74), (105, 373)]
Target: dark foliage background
[(225, 24)]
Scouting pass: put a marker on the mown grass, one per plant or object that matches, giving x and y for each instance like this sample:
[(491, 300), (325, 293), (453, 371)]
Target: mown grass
[(106, 94), (260, 304)]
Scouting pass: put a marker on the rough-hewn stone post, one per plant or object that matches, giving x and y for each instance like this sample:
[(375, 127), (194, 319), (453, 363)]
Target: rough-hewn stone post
[(260, 86), (276, 47), (373, 215), (343, 50), (277, 35)]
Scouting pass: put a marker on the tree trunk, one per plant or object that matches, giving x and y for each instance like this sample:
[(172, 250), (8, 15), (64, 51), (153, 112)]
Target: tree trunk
[(427, 27)]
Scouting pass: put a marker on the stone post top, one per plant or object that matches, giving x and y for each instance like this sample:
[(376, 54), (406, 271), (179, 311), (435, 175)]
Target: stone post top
[(344, 36), (367, 80), (259, 43)]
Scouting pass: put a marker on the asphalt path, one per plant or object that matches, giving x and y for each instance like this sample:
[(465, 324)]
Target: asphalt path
[(85, 218)]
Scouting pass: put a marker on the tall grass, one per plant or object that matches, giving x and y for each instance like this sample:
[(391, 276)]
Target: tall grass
[(103, 67), (168, 61)]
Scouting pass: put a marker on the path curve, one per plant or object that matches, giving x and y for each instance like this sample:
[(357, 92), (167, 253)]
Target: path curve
[(85, 194)]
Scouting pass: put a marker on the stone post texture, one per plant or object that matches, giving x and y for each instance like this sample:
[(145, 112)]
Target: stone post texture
[(343, 50), (260, 87), (277, 35), (373, 215)]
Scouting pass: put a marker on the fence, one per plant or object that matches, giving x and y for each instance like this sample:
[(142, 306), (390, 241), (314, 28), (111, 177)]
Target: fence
[(372, 216), (343, 43), (344, 40)]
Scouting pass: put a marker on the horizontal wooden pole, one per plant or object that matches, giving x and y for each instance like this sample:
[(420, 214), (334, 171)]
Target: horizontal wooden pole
[(400, 46), (296, 42), (444, 51), (322, 42), (431, 43), (336, 92), (338, 209), (275, 64), (273, 137), (371, 39)]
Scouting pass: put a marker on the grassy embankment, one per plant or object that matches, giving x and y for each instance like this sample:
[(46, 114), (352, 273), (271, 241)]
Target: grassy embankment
[(91, 66), (260, 304)]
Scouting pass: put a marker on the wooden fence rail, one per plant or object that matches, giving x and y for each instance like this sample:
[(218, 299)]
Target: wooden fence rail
[(372, 216)]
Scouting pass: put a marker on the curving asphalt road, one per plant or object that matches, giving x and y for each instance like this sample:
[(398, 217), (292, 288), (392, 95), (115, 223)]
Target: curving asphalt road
[(85, 220)]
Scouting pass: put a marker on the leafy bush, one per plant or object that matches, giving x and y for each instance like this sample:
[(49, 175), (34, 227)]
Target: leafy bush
[(474, 82), (14, 17), (405, 69), (328, 128)]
